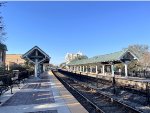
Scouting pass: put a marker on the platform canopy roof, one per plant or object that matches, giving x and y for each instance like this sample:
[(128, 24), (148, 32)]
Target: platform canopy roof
[(112, 57), (28, 53)]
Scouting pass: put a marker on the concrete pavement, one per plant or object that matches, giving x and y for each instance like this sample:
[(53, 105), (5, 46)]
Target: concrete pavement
[(46, 95)]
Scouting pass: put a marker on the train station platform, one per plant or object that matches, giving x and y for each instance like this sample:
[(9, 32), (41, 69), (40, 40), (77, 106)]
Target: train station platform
[(134, 82), (44, 95), (108, 75)]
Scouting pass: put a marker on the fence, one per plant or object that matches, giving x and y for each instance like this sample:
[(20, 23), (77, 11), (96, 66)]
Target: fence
[(141, 74)]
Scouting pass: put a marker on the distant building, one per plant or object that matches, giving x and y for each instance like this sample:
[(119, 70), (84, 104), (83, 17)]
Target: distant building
[(14, 59), (73, 56)]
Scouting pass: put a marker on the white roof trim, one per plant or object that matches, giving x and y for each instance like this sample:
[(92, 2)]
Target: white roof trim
[(135, 57), (35, 47)]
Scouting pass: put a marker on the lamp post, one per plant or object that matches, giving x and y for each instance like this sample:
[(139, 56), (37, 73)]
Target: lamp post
[(113, 78)]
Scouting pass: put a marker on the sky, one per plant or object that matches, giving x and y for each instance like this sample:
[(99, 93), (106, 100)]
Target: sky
[(93, 28)]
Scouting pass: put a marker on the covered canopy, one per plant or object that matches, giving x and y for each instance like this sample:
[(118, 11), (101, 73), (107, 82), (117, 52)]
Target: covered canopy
[(29, 55), (121, 56), (36, 56)]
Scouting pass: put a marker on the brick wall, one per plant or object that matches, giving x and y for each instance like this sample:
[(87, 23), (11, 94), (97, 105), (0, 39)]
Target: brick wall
[(14, 58)]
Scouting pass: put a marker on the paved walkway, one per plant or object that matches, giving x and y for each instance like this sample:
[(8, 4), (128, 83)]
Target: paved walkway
[(46, 95)]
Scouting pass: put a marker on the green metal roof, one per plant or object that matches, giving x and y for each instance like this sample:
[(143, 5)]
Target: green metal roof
[(101, 58)]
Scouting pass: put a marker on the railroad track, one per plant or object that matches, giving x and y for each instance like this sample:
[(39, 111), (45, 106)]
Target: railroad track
[(93, 101), (101, 83)]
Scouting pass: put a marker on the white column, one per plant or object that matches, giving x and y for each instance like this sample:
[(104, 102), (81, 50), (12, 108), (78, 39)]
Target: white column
[(36, 67), (83, 69), (90, 69), (112, 70), (120, 71), (126, 69), (80, 68), (74, 68), (86, 69), (96, 69), (70, 68), (36, 64), (103, 68)]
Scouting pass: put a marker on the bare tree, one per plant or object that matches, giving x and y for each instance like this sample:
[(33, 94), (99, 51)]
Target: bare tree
[(142, 52), (144, 61), (138, 50), (2, 31)]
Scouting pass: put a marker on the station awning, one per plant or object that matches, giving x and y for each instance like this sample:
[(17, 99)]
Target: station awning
[(120, 56)]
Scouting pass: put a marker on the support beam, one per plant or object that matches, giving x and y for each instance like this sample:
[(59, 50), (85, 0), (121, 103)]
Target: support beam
[(70, 68), (112, 70), (126, 69), (120, 71), (36, 64), (36, 67), (83, 69), (90, 69), (103, 68), (86, 69), (96, 69), (74, 68), (80, 69)]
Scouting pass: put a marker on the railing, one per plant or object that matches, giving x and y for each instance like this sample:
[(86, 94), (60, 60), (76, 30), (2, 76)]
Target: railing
[(141, 74)]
